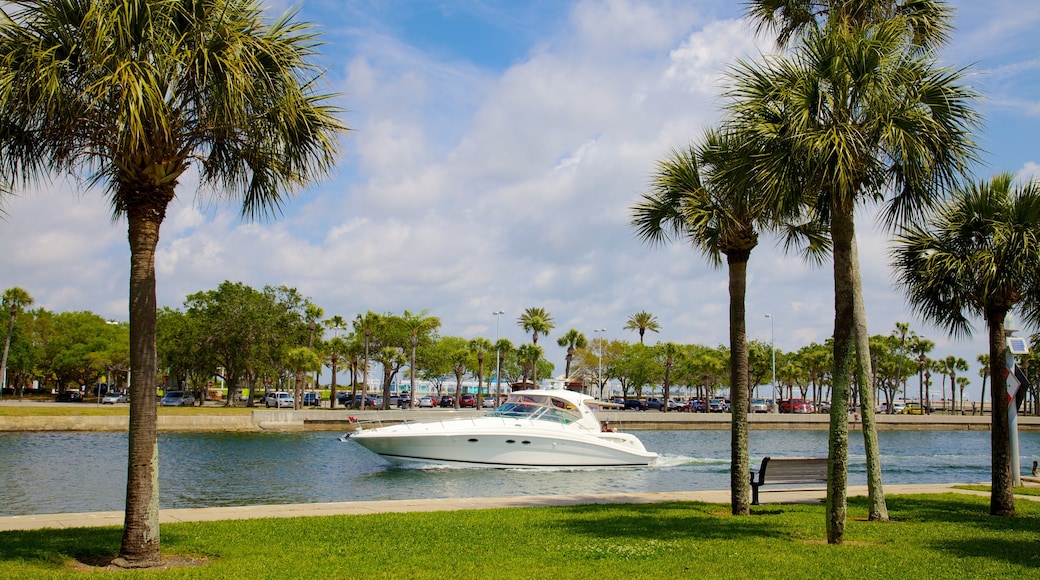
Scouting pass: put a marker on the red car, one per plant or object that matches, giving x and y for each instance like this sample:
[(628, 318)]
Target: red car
[(468, 401), (796, 406)]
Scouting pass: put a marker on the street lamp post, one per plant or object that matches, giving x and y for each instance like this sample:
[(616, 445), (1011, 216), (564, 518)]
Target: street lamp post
[(599, 363), (498, 358), (772, 351)]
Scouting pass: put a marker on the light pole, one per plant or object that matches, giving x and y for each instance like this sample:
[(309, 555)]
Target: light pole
[(772, 351), (498, 358), (599, 363)]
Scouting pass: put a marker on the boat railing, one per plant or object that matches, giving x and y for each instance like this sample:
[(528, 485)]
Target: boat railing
[(388, 417)]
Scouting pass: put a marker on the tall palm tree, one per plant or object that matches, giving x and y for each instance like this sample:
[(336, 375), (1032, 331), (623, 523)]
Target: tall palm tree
[(921, 347), (857, 112), (984, 374), (528, 355), (15, 299), (642, 321), (503, 347), (537, 321), (479, 347), (419, 326), (954, 364), (312, 313), (130, 94), (365, 325), (696, 197), (572, 341), (336, 350), (977, 257)]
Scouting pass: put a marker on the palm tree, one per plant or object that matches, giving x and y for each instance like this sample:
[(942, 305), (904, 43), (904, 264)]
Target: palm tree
[(336, 349), (858, 112), (527, 356), (571, 341), (718, 214), (538, 322), (921, 347), (311, 314), (15, 299), (642, 321), (130, 93), (503, 346), (365, 326), (954, 364), (480, 346), (419, 327), (977, 257), (984, 373)]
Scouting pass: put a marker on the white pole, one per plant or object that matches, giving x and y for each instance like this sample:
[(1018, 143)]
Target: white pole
[(599, 363), (772, 350), (498, 370)]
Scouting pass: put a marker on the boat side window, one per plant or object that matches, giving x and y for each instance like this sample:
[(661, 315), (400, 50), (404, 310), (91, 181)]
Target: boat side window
[(538, 408)]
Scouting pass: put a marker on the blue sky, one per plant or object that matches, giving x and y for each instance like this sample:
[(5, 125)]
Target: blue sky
[(497, 147)]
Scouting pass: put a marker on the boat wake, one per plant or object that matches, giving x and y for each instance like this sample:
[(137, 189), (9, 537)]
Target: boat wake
[(667, 461)]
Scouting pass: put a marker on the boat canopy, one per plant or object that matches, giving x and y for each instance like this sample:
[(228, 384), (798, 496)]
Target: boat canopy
[(539, 406)]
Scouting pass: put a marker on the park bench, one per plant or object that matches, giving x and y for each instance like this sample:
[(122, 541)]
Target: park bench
[(788, 471)]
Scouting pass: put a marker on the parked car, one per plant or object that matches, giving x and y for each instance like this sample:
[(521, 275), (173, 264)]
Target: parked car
[(468, 400), (446, 401), (637, 404), (428, 402), (345, 400), (404, 401), (916, 409), (280, 399), (654, 403), (692, 406), (177, 399), (69, 397), (114, 397), (489, 403), (795, 406), (312, 399), (717, 406), (759, 406)]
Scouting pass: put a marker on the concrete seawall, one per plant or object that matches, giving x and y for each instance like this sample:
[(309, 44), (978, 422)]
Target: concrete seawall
[(340, 420)]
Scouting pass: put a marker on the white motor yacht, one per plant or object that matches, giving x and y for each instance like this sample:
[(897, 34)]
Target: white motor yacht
[(532, 428)]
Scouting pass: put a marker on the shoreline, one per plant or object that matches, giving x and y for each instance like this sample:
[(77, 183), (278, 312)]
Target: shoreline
[(340, 420), (180, 515)]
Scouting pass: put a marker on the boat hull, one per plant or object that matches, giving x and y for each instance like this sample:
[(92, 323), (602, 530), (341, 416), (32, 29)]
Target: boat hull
[(494, 444)]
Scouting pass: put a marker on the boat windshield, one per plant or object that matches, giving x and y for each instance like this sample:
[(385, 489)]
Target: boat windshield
[(537, 407)]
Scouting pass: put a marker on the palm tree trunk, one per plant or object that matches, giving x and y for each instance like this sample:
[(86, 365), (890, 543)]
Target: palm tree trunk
[(740, 487), (842, 232), (875, 488), (140, 544), (1002, 498)]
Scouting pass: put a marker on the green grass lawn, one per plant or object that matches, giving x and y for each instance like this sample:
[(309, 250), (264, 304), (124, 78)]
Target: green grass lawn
[(1021, 490), (931, 536)]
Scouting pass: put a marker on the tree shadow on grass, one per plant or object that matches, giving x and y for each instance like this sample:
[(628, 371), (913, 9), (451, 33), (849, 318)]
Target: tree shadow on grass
[(55, 546), (1012, 540), (672, 520)]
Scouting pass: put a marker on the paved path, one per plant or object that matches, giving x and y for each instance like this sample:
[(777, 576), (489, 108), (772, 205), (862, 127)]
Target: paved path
[(781, 495)]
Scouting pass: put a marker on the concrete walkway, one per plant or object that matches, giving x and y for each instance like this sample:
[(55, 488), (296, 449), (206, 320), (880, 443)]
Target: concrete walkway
[(774, 496)]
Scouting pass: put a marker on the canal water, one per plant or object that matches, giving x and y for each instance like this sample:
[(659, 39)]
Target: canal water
[(80, 472)]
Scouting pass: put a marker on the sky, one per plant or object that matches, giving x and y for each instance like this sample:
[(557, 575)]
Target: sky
[(496, 149)]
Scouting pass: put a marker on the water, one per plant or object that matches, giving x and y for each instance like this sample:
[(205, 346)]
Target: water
[(80, 472)]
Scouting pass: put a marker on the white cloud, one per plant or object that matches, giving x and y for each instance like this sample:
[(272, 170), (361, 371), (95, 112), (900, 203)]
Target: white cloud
[(465, 190)]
